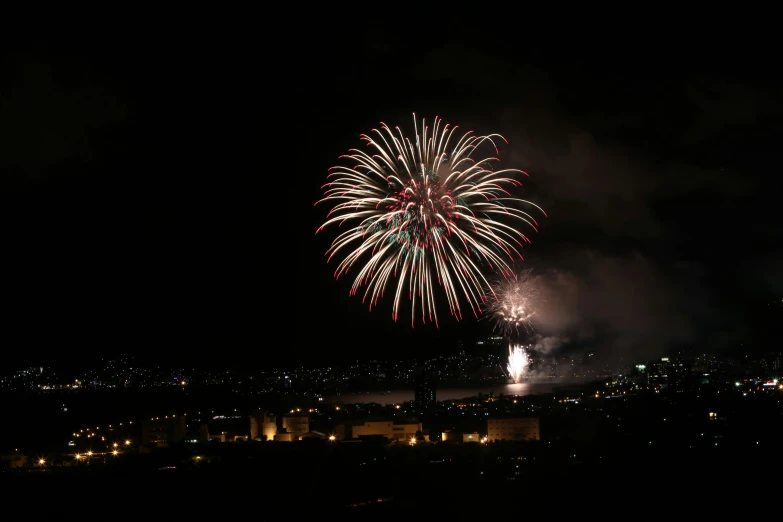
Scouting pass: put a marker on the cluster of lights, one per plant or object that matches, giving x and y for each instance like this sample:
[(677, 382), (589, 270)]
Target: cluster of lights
[(115, 451), (173, 416), (97, 428)]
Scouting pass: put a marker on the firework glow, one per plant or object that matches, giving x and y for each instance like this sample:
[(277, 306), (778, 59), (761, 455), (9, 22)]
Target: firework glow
[(428, 214), (514, 305), (517, 363)]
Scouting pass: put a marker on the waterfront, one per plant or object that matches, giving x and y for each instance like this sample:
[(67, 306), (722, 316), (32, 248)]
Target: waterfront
[(399, 396)]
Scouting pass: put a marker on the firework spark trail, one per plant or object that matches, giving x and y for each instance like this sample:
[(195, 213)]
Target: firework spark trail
[(424, 212), (515, 304), (517, 363)]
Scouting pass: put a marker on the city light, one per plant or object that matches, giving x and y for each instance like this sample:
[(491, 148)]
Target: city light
[(127, 442), (332, 438), (41, 462), (115, 453)]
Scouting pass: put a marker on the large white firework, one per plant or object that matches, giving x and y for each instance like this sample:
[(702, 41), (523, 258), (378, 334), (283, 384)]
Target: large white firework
[(426, 211), (517, 362)]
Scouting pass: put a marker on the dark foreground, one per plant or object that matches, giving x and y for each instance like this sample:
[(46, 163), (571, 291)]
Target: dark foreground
[(317, 480)]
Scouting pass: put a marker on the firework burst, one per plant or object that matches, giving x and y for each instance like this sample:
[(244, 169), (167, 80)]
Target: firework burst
[(515, 304), (426, 213), (517, 362)]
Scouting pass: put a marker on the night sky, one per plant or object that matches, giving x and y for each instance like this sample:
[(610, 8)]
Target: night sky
[(157, 198)]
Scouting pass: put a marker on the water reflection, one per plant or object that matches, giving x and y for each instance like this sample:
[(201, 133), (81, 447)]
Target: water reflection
[(445, 394)]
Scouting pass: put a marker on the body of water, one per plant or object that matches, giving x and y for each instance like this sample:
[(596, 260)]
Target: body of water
[(447, 394)]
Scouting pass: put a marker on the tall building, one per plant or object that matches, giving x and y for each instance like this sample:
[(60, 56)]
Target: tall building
[(679, 374), (658, 372), (263, 426), (641, 374), (424, 392)]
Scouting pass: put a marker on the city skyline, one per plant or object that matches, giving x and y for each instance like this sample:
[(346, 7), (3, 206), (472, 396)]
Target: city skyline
[(171, 320)]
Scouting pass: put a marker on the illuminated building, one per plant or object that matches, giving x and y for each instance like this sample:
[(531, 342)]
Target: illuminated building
[(405, 430), (296, 424), (424, 393), (270, 427), (455, 436), (666, 373), (262, 426), (641, 375), (519, 428), (401, 430), (658, 373), (679, 374)]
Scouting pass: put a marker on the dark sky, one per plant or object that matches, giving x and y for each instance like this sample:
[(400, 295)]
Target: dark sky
[(158, 193)]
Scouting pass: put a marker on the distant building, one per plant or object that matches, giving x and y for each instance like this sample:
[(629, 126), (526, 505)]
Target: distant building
[(424, 393), (392, 430), (471, 437), (658, 372), (163, 431), (199, 436), (457, 436), (679, 375), (406, 429), (14, 460), (218, 437), (520, 428), (296, 424), (262, 426)]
